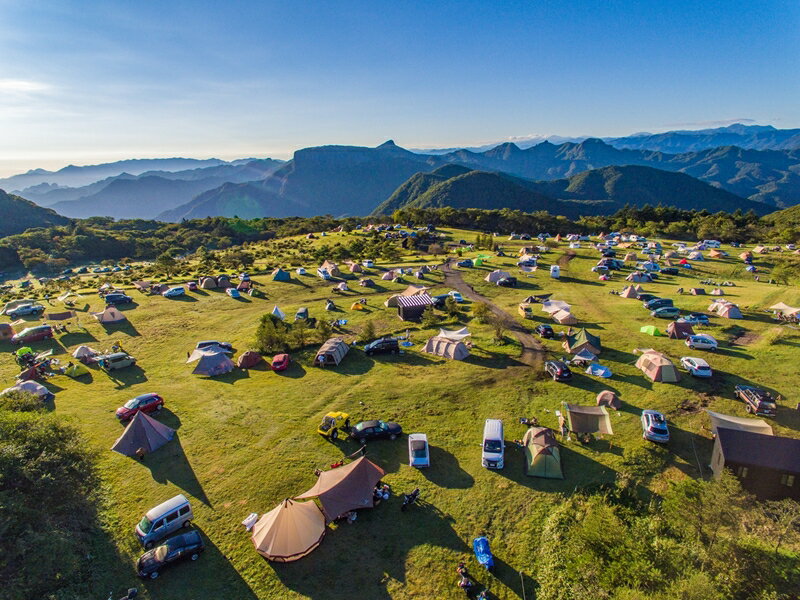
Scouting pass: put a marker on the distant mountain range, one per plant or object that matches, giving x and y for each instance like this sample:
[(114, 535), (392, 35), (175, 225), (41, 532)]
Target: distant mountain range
[(19, 214)]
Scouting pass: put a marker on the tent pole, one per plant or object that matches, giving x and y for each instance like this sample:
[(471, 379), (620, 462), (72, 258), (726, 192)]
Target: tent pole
[(522, 582)]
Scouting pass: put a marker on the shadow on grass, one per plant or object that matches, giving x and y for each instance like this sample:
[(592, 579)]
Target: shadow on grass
[(231, 377), (76, 337), (294, 371), (125, 327), (445, 470), (126, 377), (183, 298), (169, 464)]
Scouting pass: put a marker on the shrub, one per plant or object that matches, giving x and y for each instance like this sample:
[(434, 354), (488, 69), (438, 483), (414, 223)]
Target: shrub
[(368, 332), (481, 312)]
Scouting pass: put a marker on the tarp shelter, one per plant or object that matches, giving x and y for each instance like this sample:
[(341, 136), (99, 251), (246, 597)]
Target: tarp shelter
[(289, 531), (143, 432), (248, 359), (331, 352), (212, 363), (740, 423), (542, 455), (650, 330), (697, 292), (410, 308), (717, 292), (346, 488), (6, 331), (76, 370), (629, 292), (446, 348), (281, 275), (110, 315), (598, 370), (61, 316), (30, 387), (496, 276), (366, 282), (657, 367), (586, 419), (563, 317), (207, 283), (679, 330), (581, 339), (331, 267), (456, 335), (609, 399), (84, 353), (553, 306), (66, 296)]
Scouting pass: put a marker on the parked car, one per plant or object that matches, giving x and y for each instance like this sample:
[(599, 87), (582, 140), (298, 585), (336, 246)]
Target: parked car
[(464, 263), (493, 446), (226, 346), (438, 301), (174, 292), (166, 518), (654, 426), (82, 271), (116, 298), (757, 401), (701, 342), (371, 430), (455, 295), (658, 303), (600, 269), (117, 360), (418, 451), (670, 271), (558, 370), (696, 319), (280, 362), (146, 403), (545, 331), (192, 286), (187, 545), (32, 334), (507, 282), (332, 423), (25, 309), (647, 297), (382, 346), (666, 312), (233, 293), (697, 367)]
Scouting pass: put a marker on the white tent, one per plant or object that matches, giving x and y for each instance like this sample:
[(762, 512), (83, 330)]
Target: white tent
[(82, 352), (277, 312), (739, 423), (457, 335), (446, 348), (199, 353), (564, 317), (31, 387), (552, 306), (342, 287), (496, 276)]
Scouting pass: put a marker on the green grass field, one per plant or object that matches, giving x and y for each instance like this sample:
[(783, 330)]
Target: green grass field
[(247, 440)]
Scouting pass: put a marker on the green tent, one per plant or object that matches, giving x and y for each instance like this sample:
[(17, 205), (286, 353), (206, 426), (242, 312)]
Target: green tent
[(650, 330), (281, 275), (24, 350), (542, 455), (76, 370), (580, 340), (478, 262)]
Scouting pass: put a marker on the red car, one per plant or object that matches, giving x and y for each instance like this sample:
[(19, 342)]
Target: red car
[(192, 286), (280, 362), (33, 334), (147, 403)]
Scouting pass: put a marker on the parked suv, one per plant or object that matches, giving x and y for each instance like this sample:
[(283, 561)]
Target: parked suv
[(382, 346), (117, 360), (666, 312), (703, 342), (757, 401), (25, 309), (118, 299), (33, 334), (162, 520), (558, 370), (658, 303)]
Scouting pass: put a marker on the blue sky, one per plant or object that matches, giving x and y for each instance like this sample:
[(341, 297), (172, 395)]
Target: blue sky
[(86, 82)]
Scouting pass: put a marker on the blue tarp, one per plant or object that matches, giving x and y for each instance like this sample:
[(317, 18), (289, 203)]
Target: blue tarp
[(482, 551)]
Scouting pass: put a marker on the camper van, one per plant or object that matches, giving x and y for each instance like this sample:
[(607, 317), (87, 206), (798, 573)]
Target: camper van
[(555, 271), (493, 444), (164, 519)]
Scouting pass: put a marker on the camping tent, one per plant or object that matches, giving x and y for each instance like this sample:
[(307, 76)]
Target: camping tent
[(456, 335), (760, 250), (143, 432), (584, 355), (657, 367), (552, 306), (75, 370), (410, 308), (331, 352), (84, 353), (300, 271), (366, 282), (718, 420), (729, 310), (697, 291), (608, 398), (346, 488), (342, 286), (354, 267), (356, 306), (446, 348), (301, 314), (207, 283), (223, 281), (6, 331), (110, 315), (542, 455), (211, 362), (717, 292), (277, 312), (696, 256), (598, 370), (289, 531), (630, 256), (142, 286), (331, 267), (629, 292), (249, 359), (586, 419), (638, 277), (496, 276), (281, 275), (30, 387), (714, 253), (580, 340), (388, 276), (244, 286), (563, 317), (679, 330), (650, 330)]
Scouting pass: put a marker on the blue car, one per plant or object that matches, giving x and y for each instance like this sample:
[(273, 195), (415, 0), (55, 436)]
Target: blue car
[(174, 292), (696, 319)]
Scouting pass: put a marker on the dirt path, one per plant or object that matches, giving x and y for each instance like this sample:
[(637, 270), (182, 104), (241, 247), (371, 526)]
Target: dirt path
[(532, 350)]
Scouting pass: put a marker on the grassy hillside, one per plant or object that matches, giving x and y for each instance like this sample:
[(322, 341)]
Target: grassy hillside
[(19, 214)]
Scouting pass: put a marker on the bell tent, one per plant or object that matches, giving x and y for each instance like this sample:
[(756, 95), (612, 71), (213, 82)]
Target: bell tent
[(289, 531), (346, 488), (446, 348)]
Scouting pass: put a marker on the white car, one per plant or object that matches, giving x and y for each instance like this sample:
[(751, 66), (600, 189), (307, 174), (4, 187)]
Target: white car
[(701, 342), (419, 454), (696, 366)]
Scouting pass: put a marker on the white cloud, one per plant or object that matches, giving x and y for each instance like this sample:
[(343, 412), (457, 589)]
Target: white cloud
[(24, 86)]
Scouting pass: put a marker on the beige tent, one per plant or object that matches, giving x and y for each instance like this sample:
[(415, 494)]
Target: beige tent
[(496, 276), (639, 289), (563, 317), (746, 255), (629, 292), (207, 283), (446, 348), (331, 352), (714, 253), (670, 254), (110, 315), (289, 531), (727, 310), (346, 488), (354, 267), (630, 256), (585, 419), (608, 398), (760, 250), (740, 423), (388, 276), (331, 267), (657, 367)]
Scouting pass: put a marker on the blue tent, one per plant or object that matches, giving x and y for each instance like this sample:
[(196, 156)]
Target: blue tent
[(281, 275), (598, 370)]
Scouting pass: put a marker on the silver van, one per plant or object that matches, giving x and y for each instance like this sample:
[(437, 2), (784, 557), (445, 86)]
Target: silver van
[(162, 520), (493, 444)]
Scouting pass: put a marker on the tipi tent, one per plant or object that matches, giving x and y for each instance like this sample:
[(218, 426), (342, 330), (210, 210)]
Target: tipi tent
[(249, 359), (563, 317), (581, 339), (657, 367), (718, 420), (679, 330), (446, 348), (609, 399), (346, 488), (542, 455), (496, 276), (331, 352), (281, 275), (211, 363), (289, 531), (629, 292), (110, 315), (143, 432), (586, 419)]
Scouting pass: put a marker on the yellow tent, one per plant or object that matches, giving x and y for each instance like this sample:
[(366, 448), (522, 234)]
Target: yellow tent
[(356, 306)]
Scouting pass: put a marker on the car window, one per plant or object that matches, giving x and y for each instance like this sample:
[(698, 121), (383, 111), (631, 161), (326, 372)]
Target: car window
[(171, 517), (159, 523), (184, 511)]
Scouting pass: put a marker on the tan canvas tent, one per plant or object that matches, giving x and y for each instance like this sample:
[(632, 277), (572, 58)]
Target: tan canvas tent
[(388, 276), (679, 330), (331, 352), (496, 276), (657, 367), (446, 348), (563, 317), (585, 419), (143, 432), (110, 315), (741, 423), (331, 267), (629, 292), (207, 283), (608, 398), (714, 253), (346, 488), (354, 267), (289, 531)]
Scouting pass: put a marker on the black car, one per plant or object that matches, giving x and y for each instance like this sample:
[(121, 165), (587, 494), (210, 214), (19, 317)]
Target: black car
[(545, 331), (372, 430), (382, 346), (647, 297), (609, 254), (669, 270), (188, 545), (558, 370), (508, 282), (658, 303), (118, 299), (438, 301)]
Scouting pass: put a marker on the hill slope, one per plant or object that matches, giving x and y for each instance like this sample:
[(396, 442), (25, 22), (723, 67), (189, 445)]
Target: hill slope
[(19, 214)]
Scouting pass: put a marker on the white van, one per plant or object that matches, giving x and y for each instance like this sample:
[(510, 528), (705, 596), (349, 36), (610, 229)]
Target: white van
[(162, 520), (493, 444)]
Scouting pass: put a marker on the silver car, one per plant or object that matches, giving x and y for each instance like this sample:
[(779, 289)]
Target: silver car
[(419, 454), (654, 426)]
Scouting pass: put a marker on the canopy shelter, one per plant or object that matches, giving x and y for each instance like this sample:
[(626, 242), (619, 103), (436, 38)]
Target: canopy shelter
[(609, 399), (110, 315), (446, 348), (289, 531), (496, 276), (542, 455), (249, 359), (331, 352), (281, 275), (6, 331), (564, 317), (657, 367), (346, 488), (142, 433), (679, 330), (718, 420), (581, 339), (586, 419), (212, 363), (650, 330), (457, 335), (629, 292), (59, 316), (784, 309), (552, 306), (67, 296)]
